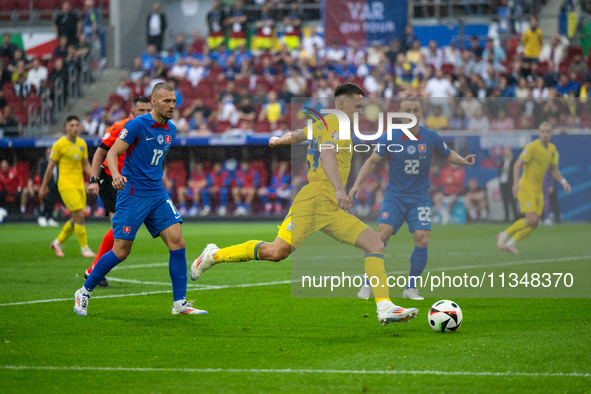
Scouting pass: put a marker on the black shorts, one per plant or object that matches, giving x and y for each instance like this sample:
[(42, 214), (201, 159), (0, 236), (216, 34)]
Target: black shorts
[(107, 192)]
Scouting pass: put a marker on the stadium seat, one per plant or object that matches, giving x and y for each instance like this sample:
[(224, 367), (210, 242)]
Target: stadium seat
[(543, 68), (573, 50), (563, 67), (8, 91), (222, 126), (177, 172), (46, 7), (6, 9), (262, 126), (24, 9), (22, 172), (447, 68), (116, 98)]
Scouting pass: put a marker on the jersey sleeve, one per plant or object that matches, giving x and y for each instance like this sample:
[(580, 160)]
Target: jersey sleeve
[(555, 157), (527, 153), (131, 131), (110, 136), (55, 151), (380, 147), (440, 146), (85, 150), (329, 133)]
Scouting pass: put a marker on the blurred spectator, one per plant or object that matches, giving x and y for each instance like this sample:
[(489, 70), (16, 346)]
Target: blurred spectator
[(407, 82), (247, 182), (502, 122), (192, 191), (61, 50), (216, 21), (391, 53), (413, 55), (196, 72), (218, 182), (137, 72), (291, 27), (236, 22), (272, 111), (19, 70), (60, 75), (159, 70), (436, 120), (264, 25), (148, 58), (457, 120), (91, 25), (567, 86), (555, 50), (5, 75), (279, 191), (181, 123), (8, 125), (479, 122), (66, 24), (197, 119), (540, 92), (475, 47), (578, 65), (470, 105), (227, 110), (21, 87), (439, 86), (180, 70), (198, 43), (335, 53), (156, 27), (9, 186), (506, 182), (532, 40), (522, 89), (497, 51), (296, 84), (433, 55), (123, 90), (450, 181), (18, 57), (246, 110), (313, 39), (82, 47), (89, 124), (37, 73), (8, 49), (179, 48), (453, 55), (375, 54), (475, 201), (197, 106), (96, 110), (408, 38)]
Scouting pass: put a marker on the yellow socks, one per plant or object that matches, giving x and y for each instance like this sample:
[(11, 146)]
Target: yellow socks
[(81, 235), (515, 227), (374, 269), (522, 234), (66, 232), (238, 253)]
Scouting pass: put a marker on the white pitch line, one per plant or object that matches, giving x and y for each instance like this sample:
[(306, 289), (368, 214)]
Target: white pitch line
[(302, 371), (243, 285)]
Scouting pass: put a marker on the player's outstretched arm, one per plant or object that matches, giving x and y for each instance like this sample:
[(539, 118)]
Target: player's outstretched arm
[(558, 176), (455, 158), (364, 172), (97, 159), (291, 138), (46, 178), (117, 150), (516, 175), (328, 160)]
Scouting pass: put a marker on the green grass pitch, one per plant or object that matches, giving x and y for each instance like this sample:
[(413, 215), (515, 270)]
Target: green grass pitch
[(258, 338)]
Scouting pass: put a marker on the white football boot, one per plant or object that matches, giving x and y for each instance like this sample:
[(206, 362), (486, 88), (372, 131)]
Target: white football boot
[(204, 262), (412, 294), (389, 313), (81, 302), (184, 307)]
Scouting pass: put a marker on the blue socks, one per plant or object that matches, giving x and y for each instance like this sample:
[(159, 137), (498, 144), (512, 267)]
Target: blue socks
[(177, 268), (102, 268), (418, 261)]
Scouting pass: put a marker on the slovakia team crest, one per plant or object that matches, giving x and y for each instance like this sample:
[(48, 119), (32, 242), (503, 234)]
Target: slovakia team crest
[(126, 229), (385, 215), (422, 148)]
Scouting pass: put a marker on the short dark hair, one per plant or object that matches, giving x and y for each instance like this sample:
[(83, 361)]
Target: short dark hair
[(162, 86), (70, 118), (348, 89), (140, 99)]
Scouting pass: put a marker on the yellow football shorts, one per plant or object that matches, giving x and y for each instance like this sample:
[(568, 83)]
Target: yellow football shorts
[(531, 202), (74, 199), (315, 209)]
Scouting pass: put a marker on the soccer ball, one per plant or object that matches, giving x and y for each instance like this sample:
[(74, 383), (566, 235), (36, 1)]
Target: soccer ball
[(445, 316)]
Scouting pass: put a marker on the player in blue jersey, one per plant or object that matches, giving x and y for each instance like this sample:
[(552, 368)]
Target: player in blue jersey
[(145, 140), (407, 192)]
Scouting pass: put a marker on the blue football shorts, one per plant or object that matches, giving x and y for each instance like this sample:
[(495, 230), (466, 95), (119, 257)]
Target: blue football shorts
[(156, 212), (415, 210)]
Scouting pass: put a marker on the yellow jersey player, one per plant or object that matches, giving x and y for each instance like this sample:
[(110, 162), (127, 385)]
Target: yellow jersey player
[(70, 154), (536, 158), (320, 206)]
